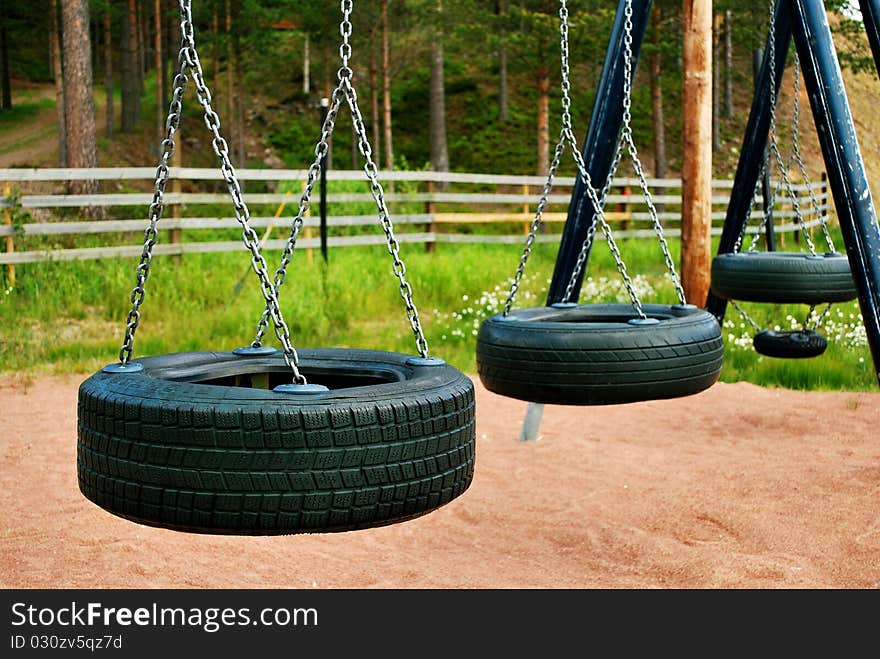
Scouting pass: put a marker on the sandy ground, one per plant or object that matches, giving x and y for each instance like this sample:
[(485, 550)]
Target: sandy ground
[(736, 487)]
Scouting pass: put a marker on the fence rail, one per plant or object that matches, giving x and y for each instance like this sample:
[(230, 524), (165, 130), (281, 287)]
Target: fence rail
[(463, 207)]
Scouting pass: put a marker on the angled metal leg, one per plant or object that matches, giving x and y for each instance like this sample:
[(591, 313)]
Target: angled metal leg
[(531, 428), (843, 159)]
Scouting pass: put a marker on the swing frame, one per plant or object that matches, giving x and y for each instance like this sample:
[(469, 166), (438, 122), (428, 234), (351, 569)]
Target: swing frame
[(805, 22)]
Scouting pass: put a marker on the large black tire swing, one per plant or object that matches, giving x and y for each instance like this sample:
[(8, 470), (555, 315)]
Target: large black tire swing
[(773, 277), (224, 442), (598, 354)]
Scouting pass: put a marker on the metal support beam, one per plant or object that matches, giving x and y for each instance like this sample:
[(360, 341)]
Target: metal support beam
[(754, 146), (532, 423), (871, 17), (843, 159), (769, 230), (599, 146)]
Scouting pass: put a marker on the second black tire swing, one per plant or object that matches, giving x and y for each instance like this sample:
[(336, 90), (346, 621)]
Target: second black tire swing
[(773, 277), (224, 442), (597, 354)]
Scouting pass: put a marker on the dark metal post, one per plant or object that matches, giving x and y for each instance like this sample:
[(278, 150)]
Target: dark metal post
[(325, 105), (843, 159), (753, 148), (599, 146), (769, 233), (871, 17)]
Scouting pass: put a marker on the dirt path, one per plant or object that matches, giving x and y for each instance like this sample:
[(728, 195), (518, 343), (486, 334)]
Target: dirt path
[(33, 142), (736, 487)]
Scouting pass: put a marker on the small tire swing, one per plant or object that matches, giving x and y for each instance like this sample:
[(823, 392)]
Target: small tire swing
[(598, 354), (223, 442), (772, 277)]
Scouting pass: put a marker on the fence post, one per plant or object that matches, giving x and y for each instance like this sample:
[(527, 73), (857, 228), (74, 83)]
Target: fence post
[(307, 231), (177, 209), (526, 207), (430, 227), (10, 243)]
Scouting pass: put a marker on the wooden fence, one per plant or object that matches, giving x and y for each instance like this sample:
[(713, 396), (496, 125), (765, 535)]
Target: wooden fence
[(454, 206)]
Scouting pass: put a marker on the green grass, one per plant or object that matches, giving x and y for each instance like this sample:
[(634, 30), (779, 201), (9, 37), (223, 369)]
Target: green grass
[(69, 316)]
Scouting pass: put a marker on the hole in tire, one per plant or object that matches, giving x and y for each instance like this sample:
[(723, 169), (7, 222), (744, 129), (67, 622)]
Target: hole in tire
[(269, 379)]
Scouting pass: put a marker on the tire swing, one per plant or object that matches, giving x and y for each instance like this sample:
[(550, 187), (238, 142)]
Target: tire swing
[(598, 354), (225, 442), (785, 277)]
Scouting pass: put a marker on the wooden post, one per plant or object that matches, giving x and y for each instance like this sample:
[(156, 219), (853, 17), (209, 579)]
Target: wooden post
[(177, 209), (307, 231), (10, 244), (526, 208), (696, 190), (430, 227)]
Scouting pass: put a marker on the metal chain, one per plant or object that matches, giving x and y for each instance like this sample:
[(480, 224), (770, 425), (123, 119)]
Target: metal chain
[(312, 177), (738, 244), (172, 123), (796, 152), (189, 61), (819, 320), (745, 316), (536, 223), (774, 141), (627, 138), (345, 88), (598, 210)]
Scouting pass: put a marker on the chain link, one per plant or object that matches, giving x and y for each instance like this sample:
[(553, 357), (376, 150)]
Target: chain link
[(567, 137), (345, 89), (796, 152), (189, 61)]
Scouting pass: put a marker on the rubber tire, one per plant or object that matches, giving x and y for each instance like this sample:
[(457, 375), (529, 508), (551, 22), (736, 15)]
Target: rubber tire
[(783, 277), (789, 344), (157, 448), (591, 355)]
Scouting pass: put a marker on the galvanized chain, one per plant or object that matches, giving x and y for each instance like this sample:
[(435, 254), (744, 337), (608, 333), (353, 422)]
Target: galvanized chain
[(189, 61), (819, 320), (627, 138), (345, 88), (312, 177), (536, 223), (172, 123), (587, 180), (378, 193), (774, 141), (745, 316), (796, 152), (738, 244)]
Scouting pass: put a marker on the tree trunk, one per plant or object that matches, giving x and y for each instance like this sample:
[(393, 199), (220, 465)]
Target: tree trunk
[(307, 65), (4, 69), (131, 104), (108, 71), (160, 78), (657, 96), (142, 46), (374, 103), (78, 102), (696, 188), (239, 96), (58, 74), (437, 100), (543, 80), (386, 88), (728, 64), (716, 84), (215, 63), (230, 80), (503, 96)]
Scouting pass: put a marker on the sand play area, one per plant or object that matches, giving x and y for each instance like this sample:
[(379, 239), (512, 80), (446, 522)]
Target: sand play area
[(735, 487)]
